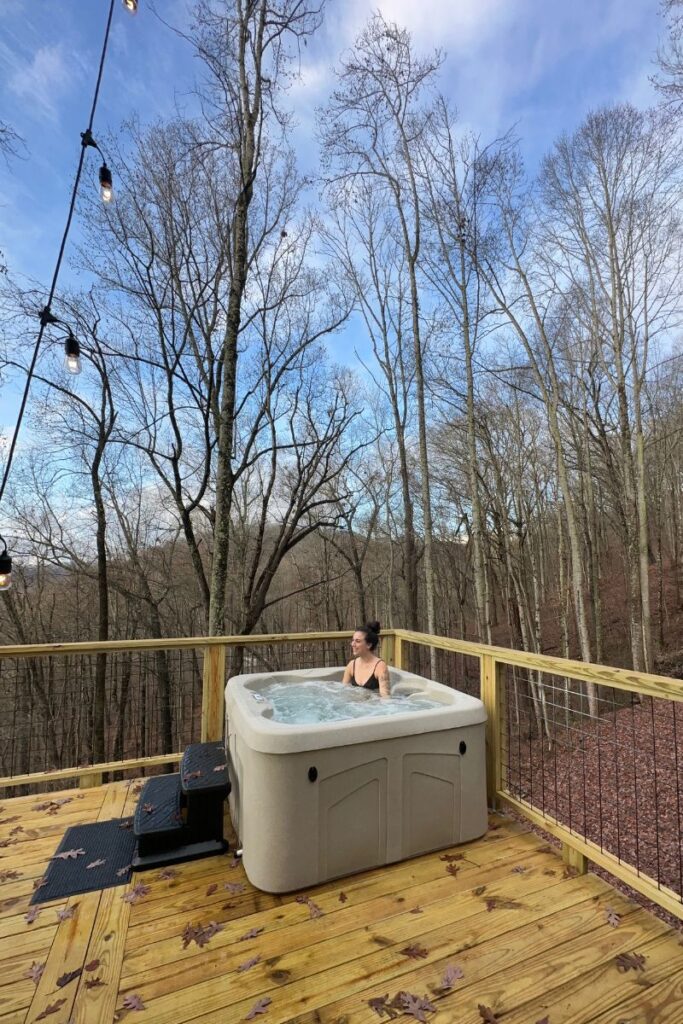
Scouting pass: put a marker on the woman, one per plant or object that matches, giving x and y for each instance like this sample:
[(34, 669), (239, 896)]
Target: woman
[(365, 669)]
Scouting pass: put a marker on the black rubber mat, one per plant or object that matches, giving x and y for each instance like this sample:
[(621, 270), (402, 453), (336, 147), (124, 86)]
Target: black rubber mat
[(107, 852)]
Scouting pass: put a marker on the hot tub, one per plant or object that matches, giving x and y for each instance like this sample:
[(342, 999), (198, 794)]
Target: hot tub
[(316, 801)]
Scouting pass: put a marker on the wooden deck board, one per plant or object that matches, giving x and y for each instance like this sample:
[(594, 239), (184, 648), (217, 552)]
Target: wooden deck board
[(544, 949)]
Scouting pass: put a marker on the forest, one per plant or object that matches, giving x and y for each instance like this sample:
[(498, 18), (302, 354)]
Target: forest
[(502, 460)]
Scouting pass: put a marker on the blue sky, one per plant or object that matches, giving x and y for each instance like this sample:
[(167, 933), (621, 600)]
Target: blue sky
[(538, 65)]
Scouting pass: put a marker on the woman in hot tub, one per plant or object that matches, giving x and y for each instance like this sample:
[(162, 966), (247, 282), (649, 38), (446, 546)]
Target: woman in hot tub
[(365, 669)]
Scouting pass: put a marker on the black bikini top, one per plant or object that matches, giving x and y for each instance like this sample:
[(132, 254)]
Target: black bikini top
[(373, 681)]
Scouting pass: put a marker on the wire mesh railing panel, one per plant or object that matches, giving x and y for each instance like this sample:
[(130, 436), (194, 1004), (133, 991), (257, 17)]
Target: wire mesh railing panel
[(604, 762), (459, 671), (65, 711), (283, 655)]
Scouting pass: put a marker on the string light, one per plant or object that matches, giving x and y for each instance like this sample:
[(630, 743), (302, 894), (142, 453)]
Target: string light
[(72, 354), (5, 568), (106, 186)]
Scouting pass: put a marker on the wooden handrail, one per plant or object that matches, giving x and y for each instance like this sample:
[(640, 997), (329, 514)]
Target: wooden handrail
[(602, 675)]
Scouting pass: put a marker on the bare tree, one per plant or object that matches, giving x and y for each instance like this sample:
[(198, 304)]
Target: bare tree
[(372, 128)]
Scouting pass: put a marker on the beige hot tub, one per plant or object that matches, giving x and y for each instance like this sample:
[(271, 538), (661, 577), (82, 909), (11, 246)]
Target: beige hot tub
[(317, 801)]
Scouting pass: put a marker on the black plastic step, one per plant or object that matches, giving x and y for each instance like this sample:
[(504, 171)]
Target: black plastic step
[(158, 810), (204, 769)]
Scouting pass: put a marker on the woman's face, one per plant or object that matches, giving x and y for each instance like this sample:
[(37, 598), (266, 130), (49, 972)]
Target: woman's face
[(359, 644)]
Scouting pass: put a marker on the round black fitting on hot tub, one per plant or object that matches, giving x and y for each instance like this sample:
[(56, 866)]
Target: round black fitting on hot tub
[(312, 774), (463, 747)]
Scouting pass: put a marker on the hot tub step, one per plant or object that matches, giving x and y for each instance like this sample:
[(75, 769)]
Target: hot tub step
[(178, 854), (159, 809), (204, 769)]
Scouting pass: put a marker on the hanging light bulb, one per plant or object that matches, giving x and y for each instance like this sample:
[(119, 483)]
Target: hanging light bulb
[(106, 187), (131, 5), (72, 355), (5, 569)]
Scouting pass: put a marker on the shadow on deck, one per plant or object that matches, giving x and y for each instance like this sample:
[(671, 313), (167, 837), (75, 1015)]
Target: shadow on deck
[(527, 941)]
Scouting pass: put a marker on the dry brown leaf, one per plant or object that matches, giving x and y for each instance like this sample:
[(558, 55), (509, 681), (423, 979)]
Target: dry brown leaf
[(51, 1008), (415, 951), (69, 976), (35, 972)]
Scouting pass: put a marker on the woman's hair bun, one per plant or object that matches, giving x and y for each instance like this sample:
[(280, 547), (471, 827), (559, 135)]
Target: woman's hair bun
[(373, 627)]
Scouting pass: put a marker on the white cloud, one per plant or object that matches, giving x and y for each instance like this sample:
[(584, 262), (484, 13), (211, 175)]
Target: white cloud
[(41, 82)]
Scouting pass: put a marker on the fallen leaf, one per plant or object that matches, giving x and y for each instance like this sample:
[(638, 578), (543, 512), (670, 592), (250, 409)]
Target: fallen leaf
[(416, 1006), (382, 1006), (235, 862), (480, 890), (69, 855), (92, 966), (415, 951), (487, 1014), (416, 910), (53, 805), (69, 976), (148, 808), (35, 972), (123, 871), (8, 842), (167, 874), (235, 887), (519, 870), (9, 874), (630, 962), (452, 974), (66, 913), (220, 767), (612, 917), (259, 1007), (39, 883), (136, 893), (314, 910), (192, 775), (127, 824), (498, 903), (32, 915), (14, 831), (452, 869), (94, 982), (95, 864), (133, 1002), (248, 964), (343, 897), (212, 889), (545, 1020), (200, 933), (450, 857), (549, 871), (51, 1008), (251, 934), (8, 821)]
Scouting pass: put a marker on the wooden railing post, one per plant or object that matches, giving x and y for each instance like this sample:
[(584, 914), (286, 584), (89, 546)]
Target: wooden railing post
[(492, 696), (213, 693), (392, 650)]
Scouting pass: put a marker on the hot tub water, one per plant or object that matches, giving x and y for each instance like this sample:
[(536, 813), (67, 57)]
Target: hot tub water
[(317, 700)]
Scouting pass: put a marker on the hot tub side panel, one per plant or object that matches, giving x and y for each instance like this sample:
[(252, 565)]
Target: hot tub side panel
[(307, 817)]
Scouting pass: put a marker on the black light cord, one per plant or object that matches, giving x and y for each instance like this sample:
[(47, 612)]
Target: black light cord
[(45, 316)]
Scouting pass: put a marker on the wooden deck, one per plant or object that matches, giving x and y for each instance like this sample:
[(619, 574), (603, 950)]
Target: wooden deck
[(531, 943)]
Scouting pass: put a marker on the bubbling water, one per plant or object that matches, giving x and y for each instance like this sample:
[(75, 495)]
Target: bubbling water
[(304, 703)]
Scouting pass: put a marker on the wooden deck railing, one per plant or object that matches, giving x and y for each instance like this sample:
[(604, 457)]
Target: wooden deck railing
[(539, 731)]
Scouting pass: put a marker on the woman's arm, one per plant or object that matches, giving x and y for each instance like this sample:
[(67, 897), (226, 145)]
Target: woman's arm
[(382, 673), (348, 674)]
